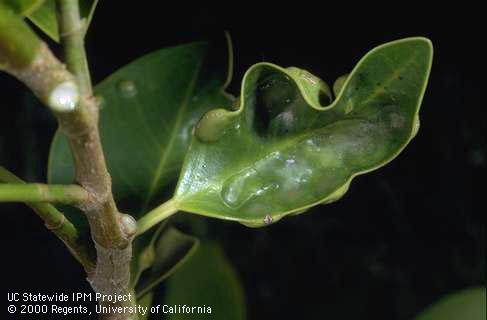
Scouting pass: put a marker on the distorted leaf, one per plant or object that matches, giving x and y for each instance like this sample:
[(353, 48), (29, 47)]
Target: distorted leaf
[(467, 304), (338, 84), (287, 149), (208, 281)]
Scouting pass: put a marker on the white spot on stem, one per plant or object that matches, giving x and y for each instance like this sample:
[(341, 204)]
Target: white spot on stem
[(64, 97), (129, 225)]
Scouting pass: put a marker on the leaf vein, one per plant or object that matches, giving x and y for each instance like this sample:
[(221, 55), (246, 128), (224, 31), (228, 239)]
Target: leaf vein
[(172, 137)]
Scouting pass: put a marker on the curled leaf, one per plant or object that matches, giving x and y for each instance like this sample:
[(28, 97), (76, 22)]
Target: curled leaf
[(287, 149), (338, 84)]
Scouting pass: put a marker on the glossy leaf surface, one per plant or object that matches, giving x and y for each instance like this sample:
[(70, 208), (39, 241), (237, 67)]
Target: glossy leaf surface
[(207, 279), (287, 148), (467, 304)]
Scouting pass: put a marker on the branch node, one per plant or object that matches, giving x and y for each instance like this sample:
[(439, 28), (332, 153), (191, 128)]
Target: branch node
[(58, 226), (95, 201), (74, 30)]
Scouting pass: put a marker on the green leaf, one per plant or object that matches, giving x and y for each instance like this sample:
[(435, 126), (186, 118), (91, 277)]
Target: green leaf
[(209, 281), (143, 248), (148, 111), (170, 251), (467, 304), (146, 302), (45, 19), (22, 7), (45, 16), (285, 149), (87, 10)]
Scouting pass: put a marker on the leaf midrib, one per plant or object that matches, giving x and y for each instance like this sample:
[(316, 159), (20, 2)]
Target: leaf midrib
[(172, 137), (393, 76)]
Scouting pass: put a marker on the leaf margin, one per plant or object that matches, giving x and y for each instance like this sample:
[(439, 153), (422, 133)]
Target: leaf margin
[(341, 190)]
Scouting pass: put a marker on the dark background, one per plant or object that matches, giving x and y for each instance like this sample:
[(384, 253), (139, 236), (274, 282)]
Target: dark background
[(402, 237)]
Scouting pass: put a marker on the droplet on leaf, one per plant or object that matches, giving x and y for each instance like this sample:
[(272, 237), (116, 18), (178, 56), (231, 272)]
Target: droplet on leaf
[(100, 102), (244, 186), (127, 88), (235, 191)]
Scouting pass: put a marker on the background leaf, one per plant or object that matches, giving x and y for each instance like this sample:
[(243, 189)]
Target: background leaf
[(45, 19), (286, 150), (467, 304), (148, 111), (22, 7), (146, 302), (143, 248), (208, 280), (171, 250), (45, 16)]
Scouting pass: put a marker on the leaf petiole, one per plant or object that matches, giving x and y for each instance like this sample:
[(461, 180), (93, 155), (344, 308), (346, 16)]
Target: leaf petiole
[(155, 216)]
